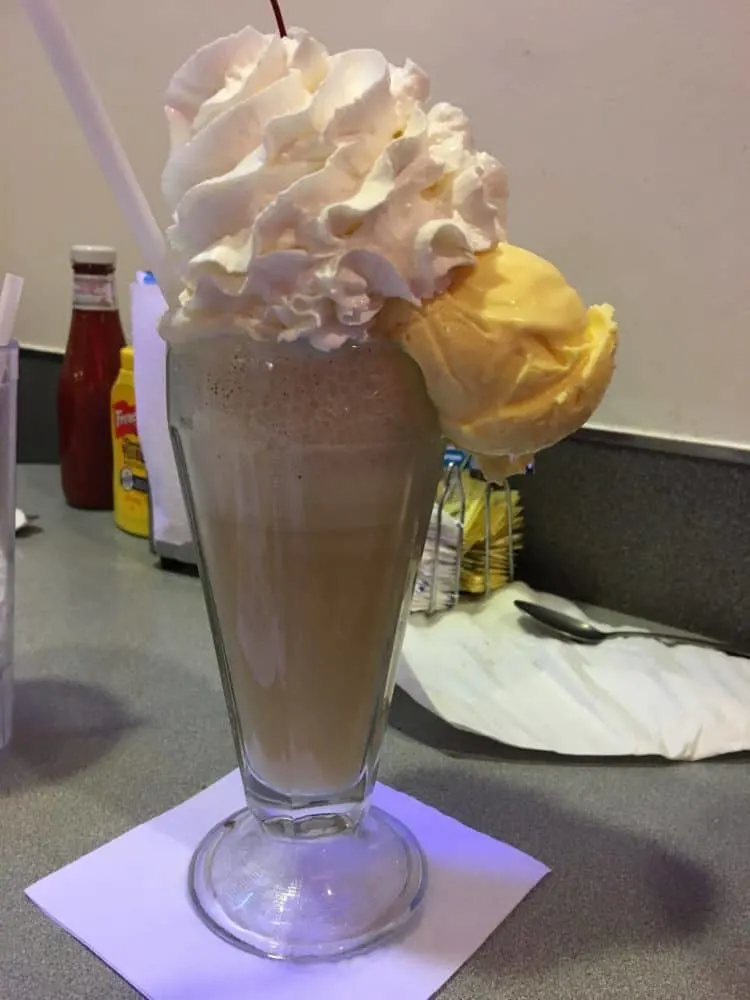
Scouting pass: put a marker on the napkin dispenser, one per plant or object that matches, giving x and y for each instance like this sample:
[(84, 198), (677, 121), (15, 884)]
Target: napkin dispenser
[(171, 537)]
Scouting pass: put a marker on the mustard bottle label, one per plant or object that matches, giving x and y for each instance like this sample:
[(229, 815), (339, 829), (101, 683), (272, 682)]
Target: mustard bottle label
[(130, 476)]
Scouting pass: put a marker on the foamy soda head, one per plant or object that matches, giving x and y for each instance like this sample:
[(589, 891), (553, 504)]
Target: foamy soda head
[(301, 398), (308, 188)]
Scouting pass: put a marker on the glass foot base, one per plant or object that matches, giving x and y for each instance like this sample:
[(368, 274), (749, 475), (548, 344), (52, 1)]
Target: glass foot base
[(302, 894)]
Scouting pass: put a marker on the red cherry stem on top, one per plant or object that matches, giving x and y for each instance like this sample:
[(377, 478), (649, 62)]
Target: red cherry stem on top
[(279, 18)]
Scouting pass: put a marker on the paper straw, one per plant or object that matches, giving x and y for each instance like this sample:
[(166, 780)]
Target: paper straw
[(10, 296), (114, 164)]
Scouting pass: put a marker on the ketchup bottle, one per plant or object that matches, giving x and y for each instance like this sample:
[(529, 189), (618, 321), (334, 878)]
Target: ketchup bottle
[(89, 370)]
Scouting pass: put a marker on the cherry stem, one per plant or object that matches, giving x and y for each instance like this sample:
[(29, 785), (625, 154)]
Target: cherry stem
[(279, 17)]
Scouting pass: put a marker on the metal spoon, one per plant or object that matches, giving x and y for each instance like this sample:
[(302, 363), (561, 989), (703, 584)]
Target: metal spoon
[(583, 631)]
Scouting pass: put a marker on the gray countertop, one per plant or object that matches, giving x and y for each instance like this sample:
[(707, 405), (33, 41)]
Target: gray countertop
[(120, 716)]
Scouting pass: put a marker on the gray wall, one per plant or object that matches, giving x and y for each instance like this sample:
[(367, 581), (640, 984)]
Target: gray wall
[(37, 406), (661, 535)]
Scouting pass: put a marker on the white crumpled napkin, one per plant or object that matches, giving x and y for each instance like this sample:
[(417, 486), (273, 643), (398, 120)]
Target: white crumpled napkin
[(476, 667)]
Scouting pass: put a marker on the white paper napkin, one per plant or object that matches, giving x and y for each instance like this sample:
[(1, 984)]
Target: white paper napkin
[(477, 668), (169, 516), (440, 563), (128, 903)]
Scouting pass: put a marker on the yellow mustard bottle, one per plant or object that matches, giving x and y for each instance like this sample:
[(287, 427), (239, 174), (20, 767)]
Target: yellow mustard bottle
[(130, 476)]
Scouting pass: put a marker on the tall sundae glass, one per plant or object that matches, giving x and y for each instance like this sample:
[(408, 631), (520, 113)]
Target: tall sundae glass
[(308, 189), (309, 512), (349, 299)]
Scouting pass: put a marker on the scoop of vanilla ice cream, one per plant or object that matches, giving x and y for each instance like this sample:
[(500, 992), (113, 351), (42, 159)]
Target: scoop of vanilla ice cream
[(307, 189), (512, 359)]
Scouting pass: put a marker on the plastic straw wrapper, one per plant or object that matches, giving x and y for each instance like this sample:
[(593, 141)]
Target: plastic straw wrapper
[(10, 297)]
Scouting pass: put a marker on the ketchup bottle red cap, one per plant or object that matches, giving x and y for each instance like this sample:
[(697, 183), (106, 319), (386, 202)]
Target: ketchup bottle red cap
[(85, 254)]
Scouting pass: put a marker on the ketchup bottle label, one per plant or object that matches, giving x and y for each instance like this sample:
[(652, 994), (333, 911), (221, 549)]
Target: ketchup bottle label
[(94, 292)]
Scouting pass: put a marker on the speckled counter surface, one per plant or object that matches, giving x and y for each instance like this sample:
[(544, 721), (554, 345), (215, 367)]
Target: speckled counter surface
[(120, 716)]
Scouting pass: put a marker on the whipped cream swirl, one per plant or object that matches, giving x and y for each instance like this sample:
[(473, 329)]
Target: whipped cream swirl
[(308, 188)]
